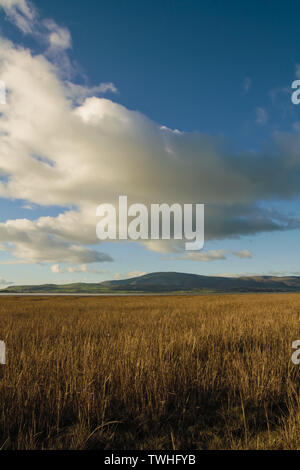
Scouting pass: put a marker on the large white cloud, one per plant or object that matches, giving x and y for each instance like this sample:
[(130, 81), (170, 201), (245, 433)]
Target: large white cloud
[(61, 146), (34, 242), (242, 254), (26, 17)]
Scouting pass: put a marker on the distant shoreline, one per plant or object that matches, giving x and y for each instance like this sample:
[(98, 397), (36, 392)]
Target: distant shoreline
[(137, 294)]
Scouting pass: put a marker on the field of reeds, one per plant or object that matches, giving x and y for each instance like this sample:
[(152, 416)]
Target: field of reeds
[(171, 372)]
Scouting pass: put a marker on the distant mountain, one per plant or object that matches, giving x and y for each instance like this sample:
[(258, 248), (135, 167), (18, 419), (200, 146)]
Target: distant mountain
[(170, 282)]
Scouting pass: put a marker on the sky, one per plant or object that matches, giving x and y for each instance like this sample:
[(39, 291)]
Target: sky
[(163, 101)]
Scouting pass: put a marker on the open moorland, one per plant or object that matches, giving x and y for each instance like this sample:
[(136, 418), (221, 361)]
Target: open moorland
[(159, 372)]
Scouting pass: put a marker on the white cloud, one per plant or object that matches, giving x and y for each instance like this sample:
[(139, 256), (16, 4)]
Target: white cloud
[(57, 269), (25, 16), (92, 152), (4, 283), (43, 241), (79, 93), (136, 274), (246, 85), (212, 255), (59, 37), (242, 254), (83, 151)]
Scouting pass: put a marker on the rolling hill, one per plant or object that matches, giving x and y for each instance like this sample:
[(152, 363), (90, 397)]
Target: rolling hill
[(168, 282)]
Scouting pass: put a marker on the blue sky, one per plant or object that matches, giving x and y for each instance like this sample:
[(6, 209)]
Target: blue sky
[(219, 72), (186, 64)]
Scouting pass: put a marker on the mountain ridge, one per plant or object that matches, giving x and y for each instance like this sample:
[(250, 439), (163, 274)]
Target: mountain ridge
[(169, 282)]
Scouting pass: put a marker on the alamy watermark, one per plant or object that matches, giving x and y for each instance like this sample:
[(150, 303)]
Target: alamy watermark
[(2, 92), (2, 353), (161, 222)]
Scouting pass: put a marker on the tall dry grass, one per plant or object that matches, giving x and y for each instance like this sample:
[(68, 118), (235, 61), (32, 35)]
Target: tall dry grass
[(177, 372)]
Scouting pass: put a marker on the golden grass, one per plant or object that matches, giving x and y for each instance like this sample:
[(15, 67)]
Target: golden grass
[(176, 372)]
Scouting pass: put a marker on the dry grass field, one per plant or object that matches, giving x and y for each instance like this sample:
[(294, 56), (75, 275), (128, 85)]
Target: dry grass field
[(172, 372)]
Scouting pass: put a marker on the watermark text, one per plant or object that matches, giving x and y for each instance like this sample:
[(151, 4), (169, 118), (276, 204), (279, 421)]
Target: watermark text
[(162, 221)]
